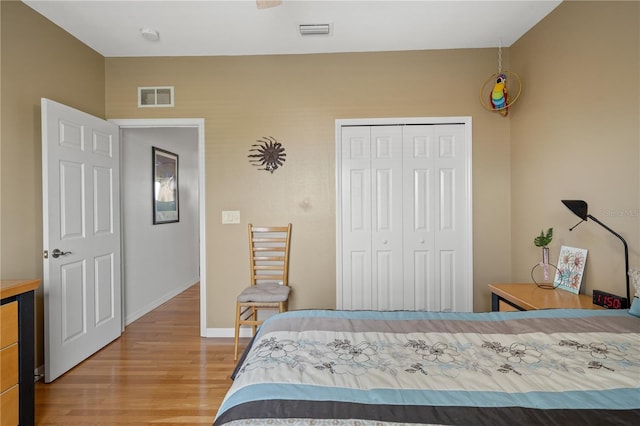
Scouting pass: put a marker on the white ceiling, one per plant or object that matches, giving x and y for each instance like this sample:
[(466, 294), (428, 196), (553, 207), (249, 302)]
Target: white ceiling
[(238, 27)]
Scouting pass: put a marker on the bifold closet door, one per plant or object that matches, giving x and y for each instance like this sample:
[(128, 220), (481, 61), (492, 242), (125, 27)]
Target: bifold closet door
[(434, 217), (372, 217), (402, 195)]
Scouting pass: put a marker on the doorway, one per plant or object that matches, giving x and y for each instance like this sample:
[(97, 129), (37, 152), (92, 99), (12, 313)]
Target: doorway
[(144, 244)]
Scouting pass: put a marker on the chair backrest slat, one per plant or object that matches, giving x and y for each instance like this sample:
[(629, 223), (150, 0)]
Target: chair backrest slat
[(269, 253)]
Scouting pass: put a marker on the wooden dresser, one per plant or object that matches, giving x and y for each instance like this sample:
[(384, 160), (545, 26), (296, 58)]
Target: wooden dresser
[(17, 352)]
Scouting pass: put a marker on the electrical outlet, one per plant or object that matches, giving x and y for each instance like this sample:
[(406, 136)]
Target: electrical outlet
[(230, 216)]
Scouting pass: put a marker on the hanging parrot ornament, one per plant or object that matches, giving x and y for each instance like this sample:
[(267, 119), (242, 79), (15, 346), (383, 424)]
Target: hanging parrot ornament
[(499, 97)]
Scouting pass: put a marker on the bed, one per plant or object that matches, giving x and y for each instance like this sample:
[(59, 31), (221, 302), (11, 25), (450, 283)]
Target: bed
[(547, 367)]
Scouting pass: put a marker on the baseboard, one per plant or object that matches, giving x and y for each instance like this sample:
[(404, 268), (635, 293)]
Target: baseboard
[(245, 331)]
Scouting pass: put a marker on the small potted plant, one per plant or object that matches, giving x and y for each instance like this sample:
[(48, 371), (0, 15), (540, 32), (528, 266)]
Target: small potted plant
[(543, 241)]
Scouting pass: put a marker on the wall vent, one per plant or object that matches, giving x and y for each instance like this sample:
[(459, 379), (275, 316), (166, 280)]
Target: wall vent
[(155, 96)]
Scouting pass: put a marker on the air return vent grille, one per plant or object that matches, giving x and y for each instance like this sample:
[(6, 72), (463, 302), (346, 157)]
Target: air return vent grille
[(155, 96)]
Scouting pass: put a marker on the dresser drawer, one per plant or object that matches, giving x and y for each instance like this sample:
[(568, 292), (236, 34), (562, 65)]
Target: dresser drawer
[(8, 324), (8, 367), (9, 407)]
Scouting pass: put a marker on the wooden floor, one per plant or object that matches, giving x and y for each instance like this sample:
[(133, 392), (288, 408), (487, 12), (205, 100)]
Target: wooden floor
[(159, 372)]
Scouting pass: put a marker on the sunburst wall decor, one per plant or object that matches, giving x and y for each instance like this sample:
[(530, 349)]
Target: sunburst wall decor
[(268, 154)]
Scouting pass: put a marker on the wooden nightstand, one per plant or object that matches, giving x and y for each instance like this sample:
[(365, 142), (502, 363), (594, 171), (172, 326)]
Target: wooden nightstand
[(527, 297)]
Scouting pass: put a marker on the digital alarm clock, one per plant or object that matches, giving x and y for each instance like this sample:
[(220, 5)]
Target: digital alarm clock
[(609, 301)]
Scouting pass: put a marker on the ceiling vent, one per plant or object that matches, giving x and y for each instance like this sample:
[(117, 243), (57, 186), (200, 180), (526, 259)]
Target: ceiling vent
[(315, 29)]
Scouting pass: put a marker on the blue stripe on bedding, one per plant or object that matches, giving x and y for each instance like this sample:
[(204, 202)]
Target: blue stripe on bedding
[(466, 316), (616, 399)]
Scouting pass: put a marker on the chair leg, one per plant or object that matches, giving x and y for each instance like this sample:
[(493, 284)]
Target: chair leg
[(254, 317), (237, 331)]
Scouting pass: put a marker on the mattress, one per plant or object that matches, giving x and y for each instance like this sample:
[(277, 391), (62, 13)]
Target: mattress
[(547, 367)]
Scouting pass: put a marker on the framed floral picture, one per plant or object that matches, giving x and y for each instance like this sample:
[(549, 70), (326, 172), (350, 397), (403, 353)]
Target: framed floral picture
[(570, 269)]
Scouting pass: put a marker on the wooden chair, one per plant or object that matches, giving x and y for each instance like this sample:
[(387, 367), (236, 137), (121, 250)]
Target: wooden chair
[(269, 266)]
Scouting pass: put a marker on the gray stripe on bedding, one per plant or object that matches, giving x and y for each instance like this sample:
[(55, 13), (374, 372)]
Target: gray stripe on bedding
[(467, 416), (618, 324)]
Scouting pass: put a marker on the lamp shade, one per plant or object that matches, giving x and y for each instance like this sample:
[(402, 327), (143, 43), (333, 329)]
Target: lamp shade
[(578, 207)]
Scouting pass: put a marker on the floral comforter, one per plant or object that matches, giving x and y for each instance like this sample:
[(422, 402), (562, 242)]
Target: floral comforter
[(556, 367)]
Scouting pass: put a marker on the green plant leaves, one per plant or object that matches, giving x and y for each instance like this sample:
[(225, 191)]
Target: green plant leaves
[(543, 239)]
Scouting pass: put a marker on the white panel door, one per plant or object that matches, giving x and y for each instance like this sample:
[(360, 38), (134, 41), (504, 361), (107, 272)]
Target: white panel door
[(386, 218), (81, 236), (420, 270), (372, 217), (435, 217), (355, 149), (451, 219)]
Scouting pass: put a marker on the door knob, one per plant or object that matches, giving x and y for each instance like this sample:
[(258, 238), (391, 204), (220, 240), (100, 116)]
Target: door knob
[(56, 253)]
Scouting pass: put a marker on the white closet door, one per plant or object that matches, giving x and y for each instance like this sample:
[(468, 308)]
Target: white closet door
[(386, 232), (435, 218), (355, 148), (418, 218), (404, 217), (451, 219), (372, 217)]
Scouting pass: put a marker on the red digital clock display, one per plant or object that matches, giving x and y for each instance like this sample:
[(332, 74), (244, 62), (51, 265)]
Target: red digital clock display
[(609, 301)]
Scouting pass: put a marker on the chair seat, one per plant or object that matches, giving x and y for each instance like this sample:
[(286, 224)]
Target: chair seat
[(265, 293)]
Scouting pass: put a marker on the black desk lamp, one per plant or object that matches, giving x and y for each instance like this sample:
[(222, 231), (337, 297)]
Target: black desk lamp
[(579, 208)]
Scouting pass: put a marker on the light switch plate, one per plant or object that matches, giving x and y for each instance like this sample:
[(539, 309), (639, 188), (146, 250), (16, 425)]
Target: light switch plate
[(230, 216)]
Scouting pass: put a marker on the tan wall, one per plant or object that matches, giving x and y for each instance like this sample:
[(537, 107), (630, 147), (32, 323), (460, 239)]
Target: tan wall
[(567, 117), (297, 99), (575, 135), (38, 60)]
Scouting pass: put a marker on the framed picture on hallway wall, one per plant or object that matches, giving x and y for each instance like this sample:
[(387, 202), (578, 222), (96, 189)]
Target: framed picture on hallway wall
[(165, 187)]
